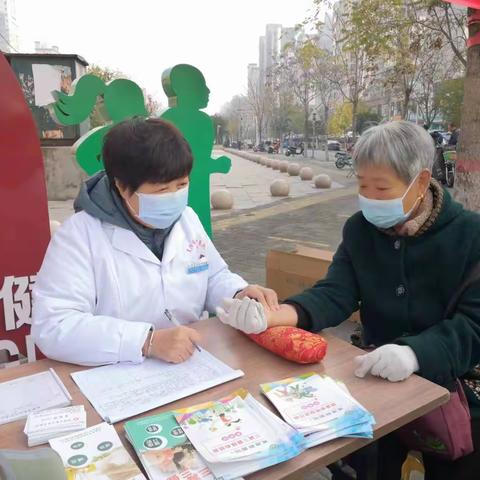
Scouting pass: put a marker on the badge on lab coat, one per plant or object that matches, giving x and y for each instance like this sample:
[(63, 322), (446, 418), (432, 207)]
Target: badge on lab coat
[(197, 250)]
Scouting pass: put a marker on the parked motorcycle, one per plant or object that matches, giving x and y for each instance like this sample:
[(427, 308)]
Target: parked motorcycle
[(273, 148), (295, 150), (444, 166), (343, 159), (450, 157)]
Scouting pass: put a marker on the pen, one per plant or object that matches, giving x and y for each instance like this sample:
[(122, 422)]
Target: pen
[(175, 322), (60, 384)]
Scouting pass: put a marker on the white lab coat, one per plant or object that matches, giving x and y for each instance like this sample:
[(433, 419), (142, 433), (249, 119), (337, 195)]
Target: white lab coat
[(100, 288)]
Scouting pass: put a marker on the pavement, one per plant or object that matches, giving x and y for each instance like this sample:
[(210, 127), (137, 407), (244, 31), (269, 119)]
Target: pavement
[(250, 182), (245, 239)]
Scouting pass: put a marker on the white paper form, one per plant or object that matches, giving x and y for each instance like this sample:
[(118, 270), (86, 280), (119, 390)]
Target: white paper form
[(25, 395), (124, 390)]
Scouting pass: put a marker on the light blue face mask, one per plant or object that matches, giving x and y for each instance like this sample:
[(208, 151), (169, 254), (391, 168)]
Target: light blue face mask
[(386, 213), (160, 210)]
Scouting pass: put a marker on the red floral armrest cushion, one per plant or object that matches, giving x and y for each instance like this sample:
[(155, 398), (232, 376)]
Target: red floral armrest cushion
[(292, 343)]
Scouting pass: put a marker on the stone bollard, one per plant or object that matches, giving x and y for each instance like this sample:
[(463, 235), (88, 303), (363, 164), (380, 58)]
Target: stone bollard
[(322, 181), (306, 173), (222, 200), (293, 169), (279, 188), (276, 164), (284, 166)]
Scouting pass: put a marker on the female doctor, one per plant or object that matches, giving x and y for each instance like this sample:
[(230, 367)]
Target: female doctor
[(132, 250)]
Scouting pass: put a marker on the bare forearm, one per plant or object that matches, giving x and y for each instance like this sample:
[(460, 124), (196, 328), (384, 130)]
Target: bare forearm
[(286, 315)]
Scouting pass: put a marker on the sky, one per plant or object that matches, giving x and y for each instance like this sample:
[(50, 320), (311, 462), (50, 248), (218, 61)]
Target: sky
[(144, 37)]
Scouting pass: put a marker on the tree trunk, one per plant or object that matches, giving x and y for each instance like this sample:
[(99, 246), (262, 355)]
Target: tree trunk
[(406, 103), (326, 114), (305, 124), (467, 178), (354, 119), (258, 133)]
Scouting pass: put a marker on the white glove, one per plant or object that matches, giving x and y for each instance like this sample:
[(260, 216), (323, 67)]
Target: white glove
[(247, 315), (393, 362)]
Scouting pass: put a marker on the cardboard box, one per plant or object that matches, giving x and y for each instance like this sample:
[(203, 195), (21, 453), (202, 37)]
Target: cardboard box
[(289, 273)]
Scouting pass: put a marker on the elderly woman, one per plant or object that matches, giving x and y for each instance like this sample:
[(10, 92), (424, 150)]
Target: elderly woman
[(401, 260)]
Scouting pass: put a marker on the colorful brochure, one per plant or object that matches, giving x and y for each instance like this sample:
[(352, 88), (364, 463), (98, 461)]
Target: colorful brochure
[(96, 454), (320, 408), (237, 435), (164, 450)]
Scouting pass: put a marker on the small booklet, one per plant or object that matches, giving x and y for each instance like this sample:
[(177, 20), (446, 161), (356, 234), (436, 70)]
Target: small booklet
[(96, 453), (320, 408), (25, 395), (237, 435), (43, 426), (164, 450), (124, 390)]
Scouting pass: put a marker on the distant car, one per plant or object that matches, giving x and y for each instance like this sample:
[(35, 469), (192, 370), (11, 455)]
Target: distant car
[(333, 145)]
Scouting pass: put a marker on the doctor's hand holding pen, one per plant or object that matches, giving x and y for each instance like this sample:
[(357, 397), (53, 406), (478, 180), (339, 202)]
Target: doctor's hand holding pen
[(174, 345)]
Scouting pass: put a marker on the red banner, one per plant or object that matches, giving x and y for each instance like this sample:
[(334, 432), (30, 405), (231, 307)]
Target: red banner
[(465, 3), (473, 40), (24, 225)]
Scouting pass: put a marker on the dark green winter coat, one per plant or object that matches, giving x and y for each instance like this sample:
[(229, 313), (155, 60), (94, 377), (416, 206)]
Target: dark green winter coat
[(402, 286)]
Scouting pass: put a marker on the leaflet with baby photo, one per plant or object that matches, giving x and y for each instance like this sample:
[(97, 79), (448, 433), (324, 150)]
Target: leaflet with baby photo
[(164, 450)]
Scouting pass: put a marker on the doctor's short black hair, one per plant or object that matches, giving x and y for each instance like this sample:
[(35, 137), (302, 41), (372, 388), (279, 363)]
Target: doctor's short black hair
[(141, 150)]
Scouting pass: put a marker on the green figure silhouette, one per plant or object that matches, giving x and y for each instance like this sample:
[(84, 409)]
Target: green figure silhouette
[(187, 94), (122, 99)]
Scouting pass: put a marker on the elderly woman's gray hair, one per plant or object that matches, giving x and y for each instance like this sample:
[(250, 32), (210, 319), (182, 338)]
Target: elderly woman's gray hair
[(403, 146)]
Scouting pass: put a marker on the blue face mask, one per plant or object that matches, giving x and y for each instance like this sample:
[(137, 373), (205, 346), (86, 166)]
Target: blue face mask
[(161, 210), (385, 213)]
